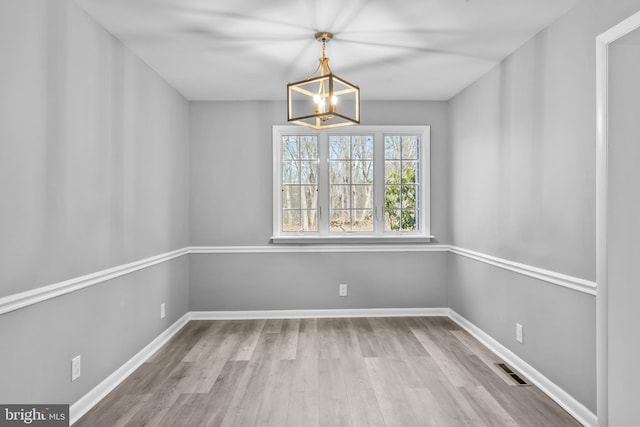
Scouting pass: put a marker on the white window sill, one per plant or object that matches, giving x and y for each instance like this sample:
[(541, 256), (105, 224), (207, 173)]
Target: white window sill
[(352, 238)]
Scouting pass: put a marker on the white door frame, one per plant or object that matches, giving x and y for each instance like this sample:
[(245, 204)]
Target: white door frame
[(602, 148)]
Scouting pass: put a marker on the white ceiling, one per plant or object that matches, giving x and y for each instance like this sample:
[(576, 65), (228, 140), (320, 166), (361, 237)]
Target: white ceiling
[(394, 50)]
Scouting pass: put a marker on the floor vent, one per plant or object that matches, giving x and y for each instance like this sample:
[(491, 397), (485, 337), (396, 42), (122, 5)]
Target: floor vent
[(514, 375)]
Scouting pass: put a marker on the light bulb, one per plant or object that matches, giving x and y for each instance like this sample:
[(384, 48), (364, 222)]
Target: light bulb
[(318, 104), (334, 103)]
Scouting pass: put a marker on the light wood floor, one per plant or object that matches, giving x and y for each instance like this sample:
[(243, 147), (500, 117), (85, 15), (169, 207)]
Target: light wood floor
[(324, 372)]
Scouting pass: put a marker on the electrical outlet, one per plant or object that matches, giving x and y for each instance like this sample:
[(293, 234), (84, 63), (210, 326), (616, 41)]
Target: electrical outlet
[(519, 332), (76, 369), (342, 291), (162, 311)]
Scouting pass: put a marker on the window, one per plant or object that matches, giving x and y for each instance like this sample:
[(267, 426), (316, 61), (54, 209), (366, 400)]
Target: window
[(401, 182), (300, 183), (350, 183), (357, 184)]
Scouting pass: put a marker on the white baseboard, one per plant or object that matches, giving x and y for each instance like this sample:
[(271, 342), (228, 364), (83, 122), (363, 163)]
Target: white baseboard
[(561, 397), (301, 314), (89, 400)]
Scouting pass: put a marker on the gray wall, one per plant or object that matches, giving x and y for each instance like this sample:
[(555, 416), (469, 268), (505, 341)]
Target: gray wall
[(230, 137), (523, 188), (93, 174), (623, 211), (299, 281), (106, 324), (559, 323)]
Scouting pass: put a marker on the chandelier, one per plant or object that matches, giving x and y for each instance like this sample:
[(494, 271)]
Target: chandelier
[(325, 100)]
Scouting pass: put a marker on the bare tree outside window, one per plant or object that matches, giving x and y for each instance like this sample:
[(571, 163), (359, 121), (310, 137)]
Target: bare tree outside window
[(300, 183), (361, 184), (351, 183)]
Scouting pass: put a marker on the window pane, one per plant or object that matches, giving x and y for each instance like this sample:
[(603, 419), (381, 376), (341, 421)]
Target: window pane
[(339, 147), (351, 177), (392, 220), (402, 169), (392, 147), (291, 220), (299, 183), (289, 147), (392, 172), (309, 197), (410, 172), (309, 172), (362, 219), (339, 197), (401, 220), (392, 197), (308, 147), (362, 197), (290, 172), (409, 220), (362, 171), (309, 220), (290, 197), (409, 194), (340, 220), (339, 172), (362, 148), (409, 147)]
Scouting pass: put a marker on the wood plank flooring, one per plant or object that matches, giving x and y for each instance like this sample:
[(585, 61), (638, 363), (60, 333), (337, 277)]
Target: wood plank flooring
[(414, 371)]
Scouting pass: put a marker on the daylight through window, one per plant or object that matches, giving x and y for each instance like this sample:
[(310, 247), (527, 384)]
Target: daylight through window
[(364, 182)]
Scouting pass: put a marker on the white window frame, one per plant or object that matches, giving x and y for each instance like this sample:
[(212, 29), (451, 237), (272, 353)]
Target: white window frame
[(379, 235)]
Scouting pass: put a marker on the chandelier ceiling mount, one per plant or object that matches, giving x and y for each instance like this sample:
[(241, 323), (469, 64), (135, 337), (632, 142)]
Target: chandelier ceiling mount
[(323, 100)]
